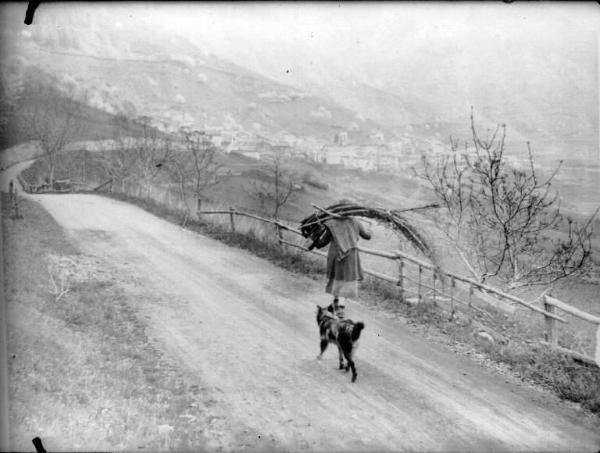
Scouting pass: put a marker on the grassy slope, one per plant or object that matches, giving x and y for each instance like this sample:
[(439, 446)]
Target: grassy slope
[(82, 373), (93, 123)]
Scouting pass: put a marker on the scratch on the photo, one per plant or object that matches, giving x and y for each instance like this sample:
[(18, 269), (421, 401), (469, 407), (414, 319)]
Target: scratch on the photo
[(31, 7), (39, 448)]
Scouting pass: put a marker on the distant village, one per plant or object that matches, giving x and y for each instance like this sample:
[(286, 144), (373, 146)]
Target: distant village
[(373, 153), (376, 154)]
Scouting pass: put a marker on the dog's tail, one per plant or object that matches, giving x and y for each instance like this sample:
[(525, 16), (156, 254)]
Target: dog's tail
[(358, 327)]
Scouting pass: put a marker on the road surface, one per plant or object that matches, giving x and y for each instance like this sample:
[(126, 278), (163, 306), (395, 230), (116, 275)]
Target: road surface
[(246, 330)]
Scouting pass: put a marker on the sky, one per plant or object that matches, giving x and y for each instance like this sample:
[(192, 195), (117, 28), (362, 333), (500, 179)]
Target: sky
[(361, 28), (349, 28), (361, 37), (282, 34)]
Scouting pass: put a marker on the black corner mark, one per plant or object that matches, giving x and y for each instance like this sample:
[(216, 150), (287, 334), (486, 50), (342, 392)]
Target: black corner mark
[(39, 448), (31, 7)]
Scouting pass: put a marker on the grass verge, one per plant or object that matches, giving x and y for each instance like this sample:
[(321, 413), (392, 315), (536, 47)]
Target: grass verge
[(82, 373)]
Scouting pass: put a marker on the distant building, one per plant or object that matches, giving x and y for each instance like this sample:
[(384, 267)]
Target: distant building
[(215, 135), (381, 158), (437, 148), (251, 154), (341, 138), (377, 137), (282, 149)]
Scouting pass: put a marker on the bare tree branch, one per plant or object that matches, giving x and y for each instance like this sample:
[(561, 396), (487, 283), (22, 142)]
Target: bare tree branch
[(50, 117), (276, 193), (504, 222)]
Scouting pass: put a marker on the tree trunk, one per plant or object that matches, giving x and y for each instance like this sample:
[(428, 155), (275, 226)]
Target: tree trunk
[(51, 175)]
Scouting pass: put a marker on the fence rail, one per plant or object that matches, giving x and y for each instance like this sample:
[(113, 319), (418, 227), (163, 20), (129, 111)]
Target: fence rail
[(439, 278)]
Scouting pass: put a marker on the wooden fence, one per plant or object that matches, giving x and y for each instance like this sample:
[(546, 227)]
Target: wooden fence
[(59, 186), (427, 282)]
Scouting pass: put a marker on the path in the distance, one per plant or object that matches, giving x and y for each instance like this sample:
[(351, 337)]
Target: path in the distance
[(246, 329)]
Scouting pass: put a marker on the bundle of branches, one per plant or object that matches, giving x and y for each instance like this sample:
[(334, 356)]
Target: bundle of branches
[(313, 226)]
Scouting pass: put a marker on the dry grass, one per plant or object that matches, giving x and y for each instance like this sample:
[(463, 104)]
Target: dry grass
[(82, 373)]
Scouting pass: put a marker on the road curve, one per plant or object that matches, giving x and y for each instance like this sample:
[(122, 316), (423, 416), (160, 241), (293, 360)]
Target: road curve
[(246, 329)]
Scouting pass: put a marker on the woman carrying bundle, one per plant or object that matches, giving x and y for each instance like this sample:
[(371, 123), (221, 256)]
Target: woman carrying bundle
[(344, 270)]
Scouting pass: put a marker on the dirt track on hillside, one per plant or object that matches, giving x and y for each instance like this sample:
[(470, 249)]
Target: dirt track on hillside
[(246, 330)]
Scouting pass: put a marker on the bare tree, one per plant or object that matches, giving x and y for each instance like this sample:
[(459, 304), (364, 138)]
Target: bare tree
[(278, 191), (120, 162), (50, 117), (152, 151), (180, 168), (206, 167), (195, 167), (9, 96), (504, 222)]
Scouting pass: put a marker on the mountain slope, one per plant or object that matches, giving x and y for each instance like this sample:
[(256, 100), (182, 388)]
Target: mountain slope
[(171, 80)]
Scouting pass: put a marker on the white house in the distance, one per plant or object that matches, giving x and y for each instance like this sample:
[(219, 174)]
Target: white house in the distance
[(364, 157), (376, 137)]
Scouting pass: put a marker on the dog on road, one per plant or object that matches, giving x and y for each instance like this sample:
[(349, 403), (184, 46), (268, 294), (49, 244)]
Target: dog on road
[(343, 332)]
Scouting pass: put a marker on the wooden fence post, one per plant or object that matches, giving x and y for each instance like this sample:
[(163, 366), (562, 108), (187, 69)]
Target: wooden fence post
[(279, 236), (11, 193), (15, 206), (419, 293), (597, 355), (470, 303), (443, 287), (470, 295), (231, 221), (452, 286), (550, 334), (400, 283), (4, 380)]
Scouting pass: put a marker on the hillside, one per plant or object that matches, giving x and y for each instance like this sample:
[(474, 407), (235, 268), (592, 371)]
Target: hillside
[(92, 123), (171, 80), (532, 68)]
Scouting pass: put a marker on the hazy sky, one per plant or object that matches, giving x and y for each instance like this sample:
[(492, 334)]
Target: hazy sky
[(270, 36), (360, 27), (357, 27)]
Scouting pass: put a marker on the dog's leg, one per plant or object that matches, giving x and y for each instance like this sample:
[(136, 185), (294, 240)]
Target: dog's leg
[(324, 343), (341, 355), (350, 364), (354, 373)]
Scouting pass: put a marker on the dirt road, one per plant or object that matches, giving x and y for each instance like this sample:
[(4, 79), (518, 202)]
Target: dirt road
[(246, 330)]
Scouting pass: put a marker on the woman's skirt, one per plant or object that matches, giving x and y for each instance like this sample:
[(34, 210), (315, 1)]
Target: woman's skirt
[(343, 275)]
